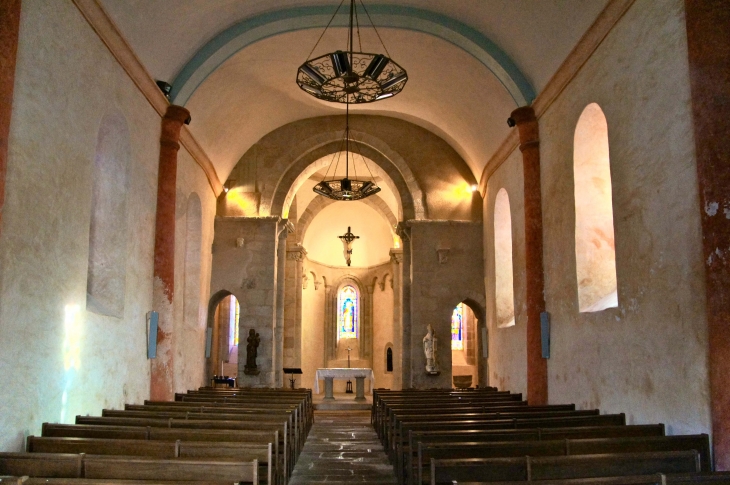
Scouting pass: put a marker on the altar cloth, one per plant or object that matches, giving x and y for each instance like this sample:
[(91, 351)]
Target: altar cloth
[(344, 373)]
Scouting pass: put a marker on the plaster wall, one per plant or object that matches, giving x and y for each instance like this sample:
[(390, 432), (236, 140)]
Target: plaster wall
[(57, 359), (648, 357), (192, 272), (507, 345), (438, 285), (384, 333)]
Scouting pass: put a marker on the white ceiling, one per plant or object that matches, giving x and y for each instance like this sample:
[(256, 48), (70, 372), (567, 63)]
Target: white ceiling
[(449, 92)]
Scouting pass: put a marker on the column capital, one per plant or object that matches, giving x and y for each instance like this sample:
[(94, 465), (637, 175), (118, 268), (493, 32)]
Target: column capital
[(296, 253), (526, 123), (396, 255)]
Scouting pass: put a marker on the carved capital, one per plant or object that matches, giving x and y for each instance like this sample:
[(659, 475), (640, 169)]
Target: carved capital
[(296, 253), (396, 255), (316, 284)]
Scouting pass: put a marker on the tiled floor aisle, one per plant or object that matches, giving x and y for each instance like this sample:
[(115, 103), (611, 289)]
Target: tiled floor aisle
[(342, 447)]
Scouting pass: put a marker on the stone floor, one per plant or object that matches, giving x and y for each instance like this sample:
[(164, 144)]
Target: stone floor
[(341, 448)]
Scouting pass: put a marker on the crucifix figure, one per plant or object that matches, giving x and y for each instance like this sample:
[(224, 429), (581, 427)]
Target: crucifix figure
[(347, 239)]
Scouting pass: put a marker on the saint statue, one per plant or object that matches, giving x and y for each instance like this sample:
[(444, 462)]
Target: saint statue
[(430, 343), (251, 353)]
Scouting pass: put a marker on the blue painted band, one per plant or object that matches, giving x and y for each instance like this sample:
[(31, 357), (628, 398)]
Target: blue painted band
[(250, 31)]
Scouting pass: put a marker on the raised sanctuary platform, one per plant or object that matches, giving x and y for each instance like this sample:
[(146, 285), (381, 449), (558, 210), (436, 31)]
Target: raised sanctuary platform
[(341, 402)]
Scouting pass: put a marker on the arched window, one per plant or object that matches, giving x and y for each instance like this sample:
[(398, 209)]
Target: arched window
[(457, 327), (389, 360), (503, 272), (347, 312), (595, 252)]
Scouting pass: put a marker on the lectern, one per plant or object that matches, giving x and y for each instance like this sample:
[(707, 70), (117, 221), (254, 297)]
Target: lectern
[(292, 371)]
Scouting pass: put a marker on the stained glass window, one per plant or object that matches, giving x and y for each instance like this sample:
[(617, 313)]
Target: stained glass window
[(347, 313), (233, 316), (457, 328)]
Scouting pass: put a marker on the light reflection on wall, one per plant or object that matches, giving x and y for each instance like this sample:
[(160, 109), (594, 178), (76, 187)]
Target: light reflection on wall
[(71, 351)]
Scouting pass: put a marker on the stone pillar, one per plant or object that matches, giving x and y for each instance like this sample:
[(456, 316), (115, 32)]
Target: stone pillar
[(161, 373), (293, 306), (396, 258), (366, 338), (708, 24), (537, 383), (278, 362), (405, 234), (9, 31)]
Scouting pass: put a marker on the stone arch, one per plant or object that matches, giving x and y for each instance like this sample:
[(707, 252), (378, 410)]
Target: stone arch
[(211, 349), (300, 158), (266, 25)]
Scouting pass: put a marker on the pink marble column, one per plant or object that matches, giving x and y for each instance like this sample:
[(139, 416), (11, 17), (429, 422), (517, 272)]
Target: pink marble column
[(9, 30), (537, 383), (708, 38), (161, 378)]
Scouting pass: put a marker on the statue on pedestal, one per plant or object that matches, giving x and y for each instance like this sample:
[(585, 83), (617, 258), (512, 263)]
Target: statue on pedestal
[(251, 352), (430, 344)]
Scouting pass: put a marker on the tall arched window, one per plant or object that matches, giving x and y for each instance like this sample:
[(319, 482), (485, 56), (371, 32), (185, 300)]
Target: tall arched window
[(595, 252), (347, 312), (234, 314), (503, 272), (458, 327)]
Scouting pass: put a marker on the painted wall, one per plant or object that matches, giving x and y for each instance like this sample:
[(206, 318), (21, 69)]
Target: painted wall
[(57, 359), (507, 345), (648, 356)]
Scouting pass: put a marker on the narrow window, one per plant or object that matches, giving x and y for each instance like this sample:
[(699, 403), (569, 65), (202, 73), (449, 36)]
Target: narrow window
[(503, 272), (595, 250), (457, 327), (234, 313), (389, 360), (347, 313)]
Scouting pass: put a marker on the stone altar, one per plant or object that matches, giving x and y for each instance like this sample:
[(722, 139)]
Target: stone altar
[(359, 373)]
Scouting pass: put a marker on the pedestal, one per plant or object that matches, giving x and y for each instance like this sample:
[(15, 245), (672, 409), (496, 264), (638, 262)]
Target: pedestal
[(360, 388), (328, 388)]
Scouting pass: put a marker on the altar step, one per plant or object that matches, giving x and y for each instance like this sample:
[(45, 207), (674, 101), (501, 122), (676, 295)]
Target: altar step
[(342, 402)]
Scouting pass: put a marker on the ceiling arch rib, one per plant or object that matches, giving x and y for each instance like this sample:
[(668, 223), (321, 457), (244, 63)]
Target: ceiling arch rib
[(252, 30)]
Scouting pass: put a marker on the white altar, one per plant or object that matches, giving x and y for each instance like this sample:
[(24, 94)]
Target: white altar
[(359, 373)]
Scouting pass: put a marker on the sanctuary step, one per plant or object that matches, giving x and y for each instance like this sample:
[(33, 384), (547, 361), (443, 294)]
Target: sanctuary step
[(342, 448), (342, 402)]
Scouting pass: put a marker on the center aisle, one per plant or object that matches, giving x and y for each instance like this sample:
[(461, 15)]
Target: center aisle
[(342, 447)]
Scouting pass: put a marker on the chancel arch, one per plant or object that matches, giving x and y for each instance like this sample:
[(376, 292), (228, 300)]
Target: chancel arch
[(466, 323)]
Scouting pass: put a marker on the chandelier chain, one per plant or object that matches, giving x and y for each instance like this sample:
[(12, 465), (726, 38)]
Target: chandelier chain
[(374, 28), (325, 29)]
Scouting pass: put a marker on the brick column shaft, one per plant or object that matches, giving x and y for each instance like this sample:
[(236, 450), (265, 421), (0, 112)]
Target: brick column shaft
[(708, 25), (161, 373), (9, 31), (537, 384)]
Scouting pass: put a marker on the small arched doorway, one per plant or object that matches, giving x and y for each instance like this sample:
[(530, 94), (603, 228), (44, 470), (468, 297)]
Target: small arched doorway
[(466, 345), (222, 335)]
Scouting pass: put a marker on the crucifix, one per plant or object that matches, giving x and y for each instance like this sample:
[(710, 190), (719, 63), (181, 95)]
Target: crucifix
[(347, 239)]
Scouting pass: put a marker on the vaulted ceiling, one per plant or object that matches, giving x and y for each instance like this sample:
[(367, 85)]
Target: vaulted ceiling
[(233, 63)]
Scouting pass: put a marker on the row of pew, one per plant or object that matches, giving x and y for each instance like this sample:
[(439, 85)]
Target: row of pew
[(204, 437), (488, 436)]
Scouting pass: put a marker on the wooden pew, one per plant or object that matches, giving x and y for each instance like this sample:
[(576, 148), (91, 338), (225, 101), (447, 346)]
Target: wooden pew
[(562, 467), (174, 434), (237, 451), (57, 465), (410, 453), (427, 451)]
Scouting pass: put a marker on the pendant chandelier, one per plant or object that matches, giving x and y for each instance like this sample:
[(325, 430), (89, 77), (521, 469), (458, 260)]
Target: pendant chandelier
[(349, 76), (346, 188)]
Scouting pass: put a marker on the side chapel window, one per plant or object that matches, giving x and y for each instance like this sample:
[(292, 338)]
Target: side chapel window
[(457, 328), (233, 316), (347, 312)]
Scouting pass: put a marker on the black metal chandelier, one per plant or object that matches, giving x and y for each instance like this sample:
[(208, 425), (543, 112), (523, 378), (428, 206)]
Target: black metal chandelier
[(346, 188), (349, 76)]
